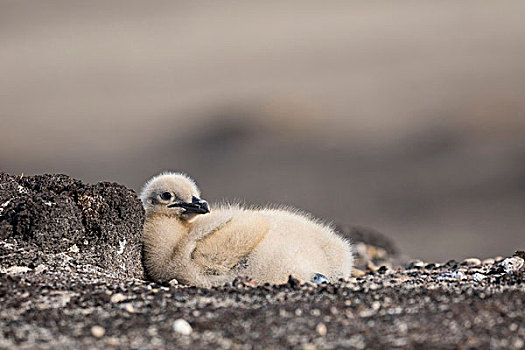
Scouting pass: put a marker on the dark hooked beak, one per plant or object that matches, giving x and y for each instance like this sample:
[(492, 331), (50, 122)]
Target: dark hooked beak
[(197, 206)]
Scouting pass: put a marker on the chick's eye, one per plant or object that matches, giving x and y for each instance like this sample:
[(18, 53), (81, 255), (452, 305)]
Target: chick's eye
[(166, 196)]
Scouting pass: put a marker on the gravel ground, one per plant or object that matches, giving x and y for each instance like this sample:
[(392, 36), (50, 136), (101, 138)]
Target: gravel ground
[(57, 296)]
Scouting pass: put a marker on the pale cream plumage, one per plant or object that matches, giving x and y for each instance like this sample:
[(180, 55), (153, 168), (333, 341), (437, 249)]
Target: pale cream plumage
[(265, 244)]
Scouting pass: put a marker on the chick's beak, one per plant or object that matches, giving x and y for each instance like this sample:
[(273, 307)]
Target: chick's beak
[(197, 206)]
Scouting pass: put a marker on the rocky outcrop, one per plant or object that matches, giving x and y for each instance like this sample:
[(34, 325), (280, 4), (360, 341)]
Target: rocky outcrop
[(45, 218)]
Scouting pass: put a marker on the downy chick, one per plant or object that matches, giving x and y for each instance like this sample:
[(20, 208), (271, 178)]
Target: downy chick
[(265, 244)]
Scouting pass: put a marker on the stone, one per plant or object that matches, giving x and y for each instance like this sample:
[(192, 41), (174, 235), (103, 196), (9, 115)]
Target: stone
[(173, 283), (488, 261), (98, 331), (129, 308), (472, 261), (181, 326), (358, 273), (478, 277), (321, 329), (117, 298), (370, 266)]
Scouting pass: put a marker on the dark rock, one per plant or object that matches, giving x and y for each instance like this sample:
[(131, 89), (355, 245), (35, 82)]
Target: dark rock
[(382, 269), (371, 248), (519, 254), (368, 236), (45, 215)]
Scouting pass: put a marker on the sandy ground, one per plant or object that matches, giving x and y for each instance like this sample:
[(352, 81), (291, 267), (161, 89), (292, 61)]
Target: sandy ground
[(412, 308)]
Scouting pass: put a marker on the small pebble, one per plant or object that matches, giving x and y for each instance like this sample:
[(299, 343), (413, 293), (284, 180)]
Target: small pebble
[(512, 265), (401, 279), (320, 279), (173, 282), (472, 261), (419, 263), (478, 277), (518, 343), (117, 298), (416, 264), (129, 308), (315, 312), (98, 331), (458, 274), (358, 273), (453, 275), (371, 266), (182, 326), (489, 261), (321, 329)]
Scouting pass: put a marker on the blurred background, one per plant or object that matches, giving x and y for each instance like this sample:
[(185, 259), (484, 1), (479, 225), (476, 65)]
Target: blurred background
[(407, 117)]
